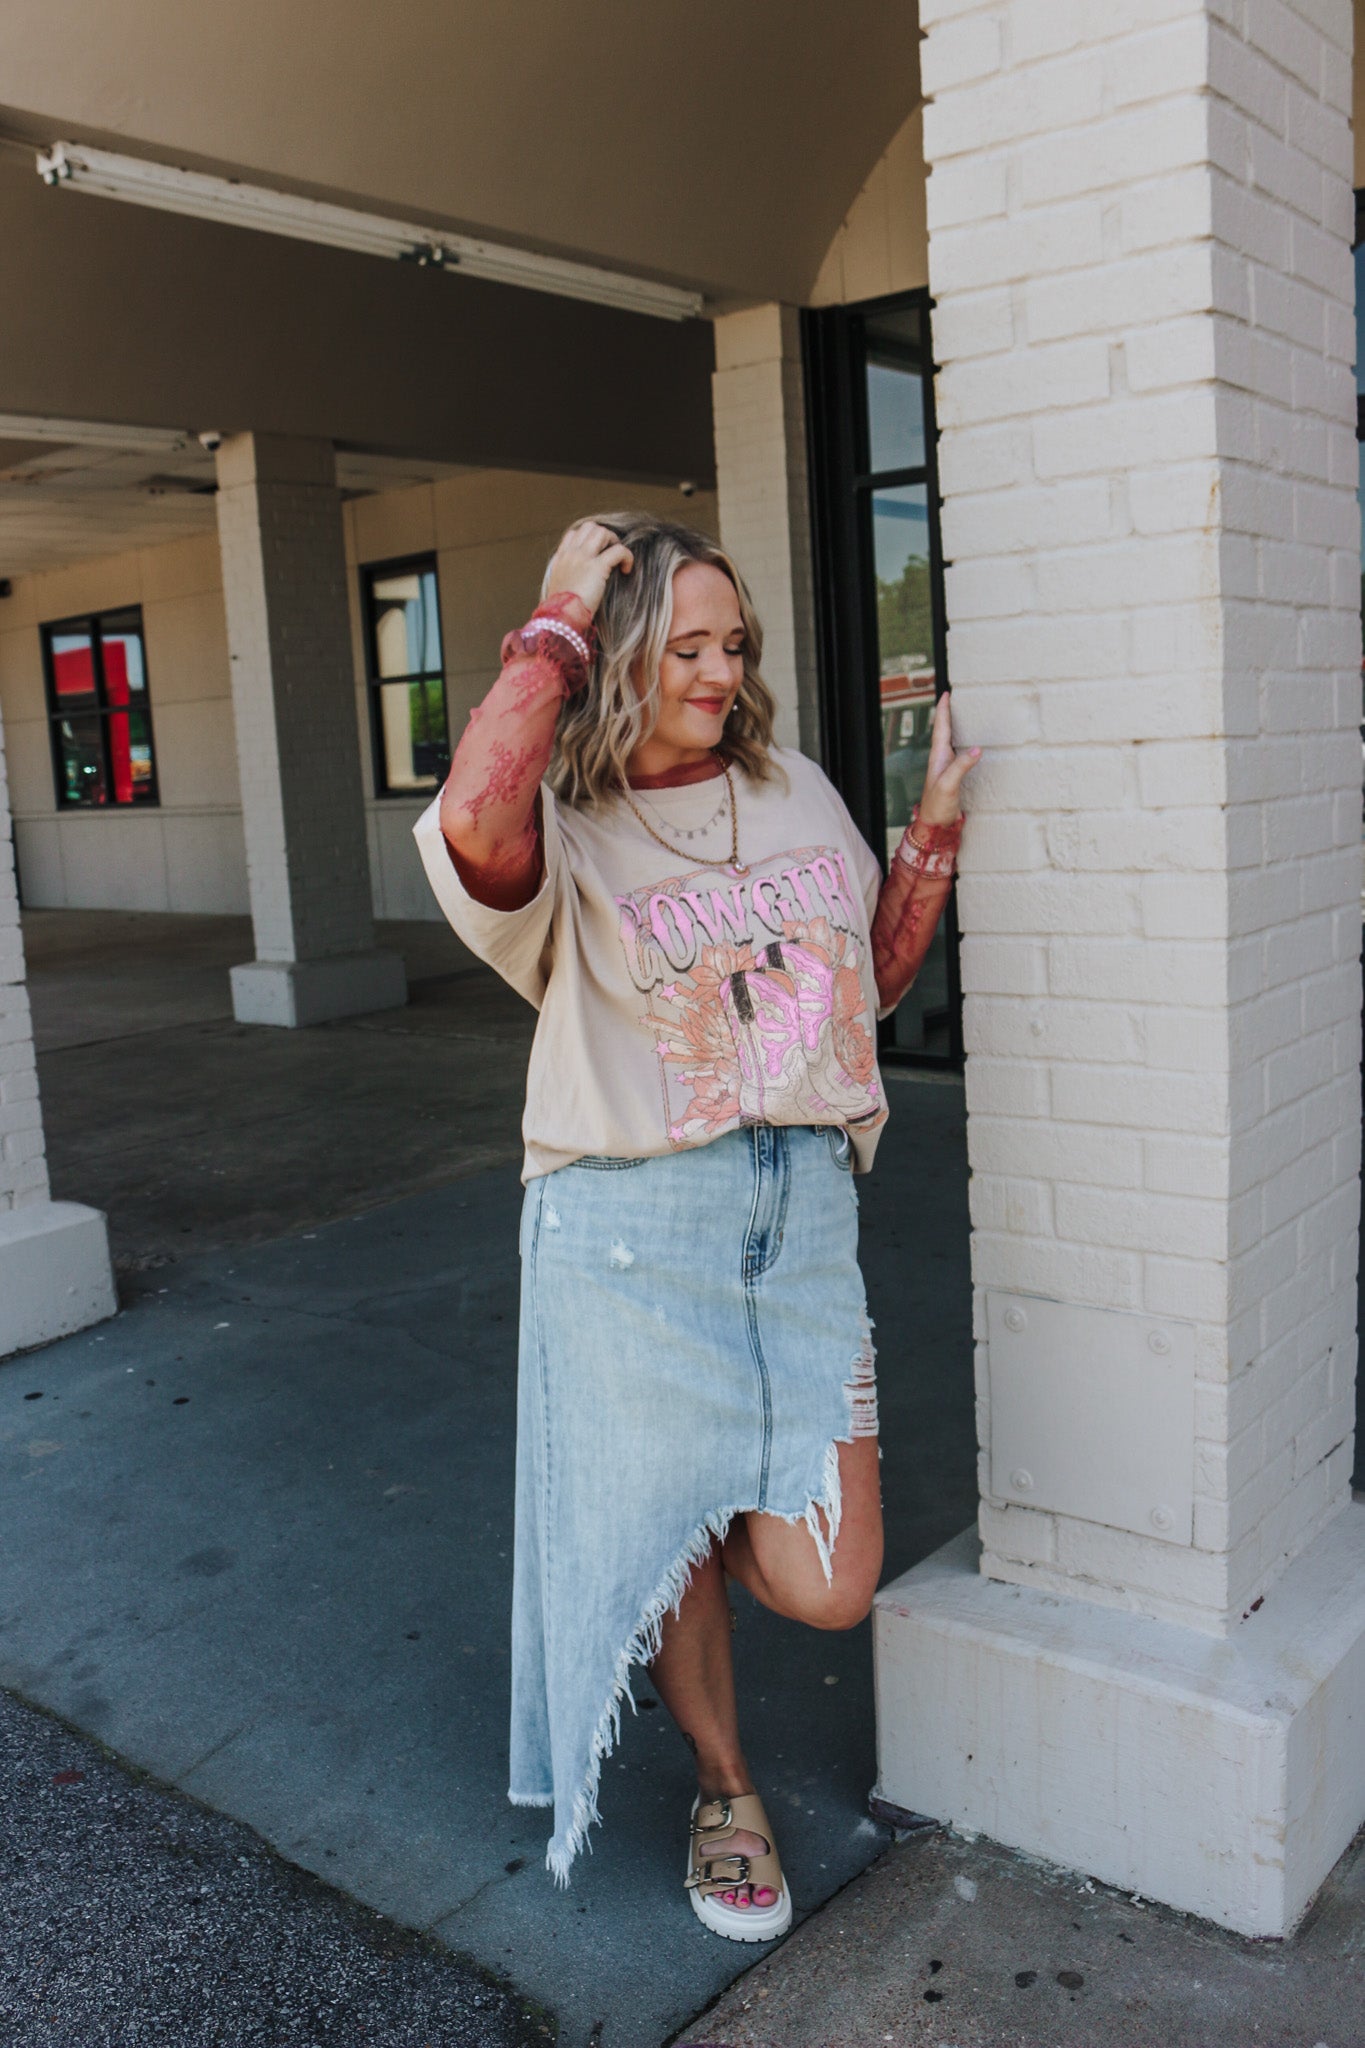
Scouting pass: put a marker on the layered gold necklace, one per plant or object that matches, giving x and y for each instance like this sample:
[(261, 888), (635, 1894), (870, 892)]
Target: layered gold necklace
[(731, 862)]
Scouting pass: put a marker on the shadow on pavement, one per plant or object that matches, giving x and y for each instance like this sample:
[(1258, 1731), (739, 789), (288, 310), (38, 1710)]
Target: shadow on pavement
[(255, 1534)]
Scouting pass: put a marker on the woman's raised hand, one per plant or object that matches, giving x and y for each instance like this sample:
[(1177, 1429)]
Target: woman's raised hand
[(585, 559), (941, 803)]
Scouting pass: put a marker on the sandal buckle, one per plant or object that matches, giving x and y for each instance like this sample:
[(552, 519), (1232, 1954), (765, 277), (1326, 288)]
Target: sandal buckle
[(727, 1819), (705, 1871)]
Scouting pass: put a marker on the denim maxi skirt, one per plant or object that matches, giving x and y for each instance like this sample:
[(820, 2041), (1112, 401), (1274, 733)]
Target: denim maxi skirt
[(694, 1346)]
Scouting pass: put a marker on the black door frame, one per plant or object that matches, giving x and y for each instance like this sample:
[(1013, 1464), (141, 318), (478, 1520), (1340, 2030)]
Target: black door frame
[(845, 599)]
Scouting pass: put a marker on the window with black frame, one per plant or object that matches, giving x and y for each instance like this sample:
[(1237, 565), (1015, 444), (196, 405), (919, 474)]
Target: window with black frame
[(879, 585), (99, 713), (406, 676)]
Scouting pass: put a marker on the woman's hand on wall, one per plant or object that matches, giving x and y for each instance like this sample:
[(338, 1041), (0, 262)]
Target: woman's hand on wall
[(916, 890), (584, 560), (941, 803)]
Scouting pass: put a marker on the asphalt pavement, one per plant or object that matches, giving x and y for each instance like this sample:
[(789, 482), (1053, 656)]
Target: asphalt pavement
[(132, 1917)]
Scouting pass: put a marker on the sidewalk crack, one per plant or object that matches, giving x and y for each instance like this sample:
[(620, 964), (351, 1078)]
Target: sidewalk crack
[(489, 1884), (215, 1749)]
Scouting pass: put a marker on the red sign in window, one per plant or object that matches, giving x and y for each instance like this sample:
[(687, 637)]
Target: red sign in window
[(73, 670)]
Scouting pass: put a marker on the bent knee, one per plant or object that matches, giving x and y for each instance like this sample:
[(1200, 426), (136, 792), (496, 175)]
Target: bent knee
[(842, 1605)]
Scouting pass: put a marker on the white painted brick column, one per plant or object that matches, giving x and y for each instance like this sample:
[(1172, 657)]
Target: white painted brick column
[(293, 695), (1140, 217), (763, 489), (55, 1274)]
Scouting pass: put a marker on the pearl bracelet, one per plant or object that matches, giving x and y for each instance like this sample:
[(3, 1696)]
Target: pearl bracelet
[(545, 624)]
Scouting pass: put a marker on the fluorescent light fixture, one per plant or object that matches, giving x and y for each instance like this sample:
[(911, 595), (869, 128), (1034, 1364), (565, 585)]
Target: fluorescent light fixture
[(20, 426), (342, 227)]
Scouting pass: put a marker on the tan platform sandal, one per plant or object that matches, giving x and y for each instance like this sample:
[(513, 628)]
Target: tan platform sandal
[(712, 1870)]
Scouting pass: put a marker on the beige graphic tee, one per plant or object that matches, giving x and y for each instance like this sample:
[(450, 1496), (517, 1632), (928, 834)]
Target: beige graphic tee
[(679, 1001)]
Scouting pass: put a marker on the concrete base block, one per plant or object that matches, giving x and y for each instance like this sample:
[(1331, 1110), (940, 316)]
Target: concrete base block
[(293, 992), (1223, 1776), (55, 1274)]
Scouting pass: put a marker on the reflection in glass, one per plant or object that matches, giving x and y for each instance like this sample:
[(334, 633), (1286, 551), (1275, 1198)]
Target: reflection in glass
[(412, 721), (73, 667), (80, 753), (895, 397), (413, 744), (923, 1020), (130, 757), (900, 561), (908, 692), (121, 654), (407, 624), (102, 733), (905, 645)]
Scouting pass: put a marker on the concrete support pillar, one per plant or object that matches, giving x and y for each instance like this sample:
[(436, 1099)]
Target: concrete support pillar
[(763, 489), (1140, 225), (55, 1274), (284, 586)]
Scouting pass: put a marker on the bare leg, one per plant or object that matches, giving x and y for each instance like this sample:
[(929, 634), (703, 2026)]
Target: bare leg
[(695, 1676), (780, 1565)]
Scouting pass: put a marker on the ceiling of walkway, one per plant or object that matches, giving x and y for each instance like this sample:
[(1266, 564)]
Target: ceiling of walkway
[(66, 502), (711, 143)]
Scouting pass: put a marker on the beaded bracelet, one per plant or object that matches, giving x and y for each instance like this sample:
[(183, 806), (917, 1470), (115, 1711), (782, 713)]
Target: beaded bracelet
[(935, 856), (541, 623), (544, 633)]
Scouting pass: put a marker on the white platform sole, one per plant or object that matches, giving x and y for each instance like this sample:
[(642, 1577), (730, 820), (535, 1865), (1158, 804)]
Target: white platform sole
[(750, 1923), (735, 1923)]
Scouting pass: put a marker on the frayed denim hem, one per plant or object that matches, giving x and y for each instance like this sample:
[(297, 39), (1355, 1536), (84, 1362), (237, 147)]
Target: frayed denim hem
[(740, 1392), (642, 1646)]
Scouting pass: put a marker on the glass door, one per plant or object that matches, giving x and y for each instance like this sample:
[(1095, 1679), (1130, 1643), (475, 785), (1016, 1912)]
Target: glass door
[(879, 583)]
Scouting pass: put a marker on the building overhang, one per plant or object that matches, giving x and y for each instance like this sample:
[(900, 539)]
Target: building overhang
[(122, 315), (711, 146)]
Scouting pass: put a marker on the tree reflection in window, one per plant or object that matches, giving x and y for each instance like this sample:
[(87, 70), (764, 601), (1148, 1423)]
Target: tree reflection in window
[(407, 676)]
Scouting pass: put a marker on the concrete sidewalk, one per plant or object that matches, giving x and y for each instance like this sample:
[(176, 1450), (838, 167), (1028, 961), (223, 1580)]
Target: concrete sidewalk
[(191, 1131), (955, 1944), (255, 1535)]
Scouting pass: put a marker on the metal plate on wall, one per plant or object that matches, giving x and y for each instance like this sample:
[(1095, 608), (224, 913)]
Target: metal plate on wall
[(1092, 1414)]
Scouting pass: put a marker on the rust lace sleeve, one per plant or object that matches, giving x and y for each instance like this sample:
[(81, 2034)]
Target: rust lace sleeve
[(910, 905), (488, 805)]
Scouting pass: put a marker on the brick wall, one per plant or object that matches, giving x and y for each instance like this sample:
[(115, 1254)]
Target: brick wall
[(1140, 219), (758, 399)]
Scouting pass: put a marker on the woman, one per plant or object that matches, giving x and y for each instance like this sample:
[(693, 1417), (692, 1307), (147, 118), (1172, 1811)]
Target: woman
[(707, 939)]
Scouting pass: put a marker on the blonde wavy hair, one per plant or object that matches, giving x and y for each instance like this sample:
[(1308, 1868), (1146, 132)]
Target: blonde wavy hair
[(602, 724)]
